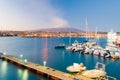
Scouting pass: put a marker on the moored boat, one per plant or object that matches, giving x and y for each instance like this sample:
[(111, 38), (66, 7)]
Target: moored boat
[(76, 67), (60, 46)]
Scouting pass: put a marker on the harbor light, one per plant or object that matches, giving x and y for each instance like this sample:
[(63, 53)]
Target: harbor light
[(4, 54), (44, 63), (21, 56), (25, 61)]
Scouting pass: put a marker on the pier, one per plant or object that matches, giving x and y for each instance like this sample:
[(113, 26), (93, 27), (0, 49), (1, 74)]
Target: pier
[(51, 73)]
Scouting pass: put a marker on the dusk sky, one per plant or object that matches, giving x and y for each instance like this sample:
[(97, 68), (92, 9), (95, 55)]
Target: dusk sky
[(39, 14)]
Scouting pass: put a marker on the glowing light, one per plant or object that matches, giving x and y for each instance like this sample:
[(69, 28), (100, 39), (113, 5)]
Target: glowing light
[(25, 75), (21, 56), (44, 63), (4, 54), (4, 68), (45, 50), (25, 61), (20, 72)]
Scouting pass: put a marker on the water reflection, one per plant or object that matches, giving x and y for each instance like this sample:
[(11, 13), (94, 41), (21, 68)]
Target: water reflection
[(35, 49), (20, 72), (45, 50), (4, 68), (23, 74), (87, 58), (63, 55)]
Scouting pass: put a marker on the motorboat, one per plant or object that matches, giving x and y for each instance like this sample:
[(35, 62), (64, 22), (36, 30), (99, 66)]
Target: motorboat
[(76, 67), (60, 46), (95, 74)]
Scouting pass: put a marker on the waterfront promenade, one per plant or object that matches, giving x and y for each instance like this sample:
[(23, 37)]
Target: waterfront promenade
[(51, 73)]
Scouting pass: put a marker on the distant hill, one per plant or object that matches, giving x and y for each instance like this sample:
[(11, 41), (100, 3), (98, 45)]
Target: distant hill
[(65, 29)]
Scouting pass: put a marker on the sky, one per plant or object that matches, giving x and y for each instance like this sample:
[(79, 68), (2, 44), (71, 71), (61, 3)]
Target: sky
[(39, 14)]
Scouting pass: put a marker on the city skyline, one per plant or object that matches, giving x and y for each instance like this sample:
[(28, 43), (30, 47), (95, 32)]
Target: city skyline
[(40, 14)]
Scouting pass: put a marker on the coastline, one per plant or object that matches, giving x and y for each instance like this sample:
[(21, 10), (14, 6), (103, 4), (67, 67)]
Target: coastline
[(53, 34)]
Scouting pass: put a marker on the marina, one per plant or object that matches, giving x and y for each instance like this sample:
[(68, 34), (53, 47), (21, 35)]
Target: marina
[(54, 60), (59, 40), (53, 74), (111, 50)]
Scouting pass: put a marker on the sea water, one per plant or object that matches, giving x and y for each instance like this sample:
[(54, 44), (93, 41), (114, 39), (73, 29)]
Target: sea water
[(39, 50)]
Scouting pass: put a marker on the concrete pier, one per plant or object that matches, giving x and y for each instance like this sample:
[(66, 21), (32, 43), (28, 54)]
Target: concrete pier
[(51, 73)]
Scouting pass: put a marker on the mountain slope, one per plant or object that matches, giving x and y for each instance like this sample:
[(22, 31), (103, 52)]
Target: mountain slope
[(66, 29)]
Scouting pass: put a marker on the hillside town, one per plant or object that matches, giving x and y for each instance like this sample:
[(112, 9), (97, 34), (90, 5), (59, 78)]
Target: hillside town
[(52, 34)]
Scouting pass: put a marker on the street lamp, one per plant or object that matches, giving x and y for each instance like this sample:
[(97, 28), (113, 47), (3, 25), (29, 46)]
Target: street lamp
[(25, 61), (44, 63), (21, 56), (4, 54)]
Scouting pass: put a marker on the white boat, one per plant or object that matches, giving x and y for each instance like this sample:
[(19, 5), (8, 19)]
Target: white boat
[(75, 43), (95, 74), (76, 67), (78, 49), (69, 47), (111, 37), (87, 50)]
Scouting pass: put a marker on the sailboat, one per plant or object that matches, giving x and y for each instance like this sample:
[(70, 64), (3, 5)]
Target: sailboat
[(70, 46), (60, 46), (86, 23), (63, 45)]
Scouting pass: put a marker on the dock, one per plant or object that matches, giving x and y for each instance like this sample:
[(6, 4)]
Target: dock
[(51, 73)]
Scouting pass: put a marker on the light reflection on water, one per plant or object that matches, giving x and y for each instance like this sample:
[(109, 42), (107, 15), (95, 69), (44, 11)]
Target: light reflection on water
[(23, 74), (19, 72), (42, 49), (45, 50), (3, 70)]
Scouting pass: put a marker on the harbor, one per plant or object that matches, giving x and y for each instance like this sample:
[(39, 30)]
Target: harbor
[(59, 40), (93, 47), (51, 73), (54, 60)]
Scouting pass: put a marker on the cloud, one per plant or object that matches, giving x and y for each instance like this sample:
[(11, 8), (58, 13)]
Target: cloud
[(59, 22), (29, 14)]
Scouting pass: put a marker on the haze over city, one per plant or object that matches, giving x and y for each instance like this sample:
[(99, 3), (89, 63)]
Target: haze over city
[(39, 14)]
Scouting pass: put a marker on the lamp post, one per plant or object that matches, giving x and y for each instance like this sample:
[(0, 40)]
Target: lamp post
[(25, 61), (21, 56), (4, 54), (44, 63)]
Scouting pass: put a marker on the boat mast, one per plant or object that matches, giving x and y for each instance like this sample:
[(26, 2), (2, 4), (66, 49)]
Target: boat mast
[(86, 25), (70, 36), (96, 34)]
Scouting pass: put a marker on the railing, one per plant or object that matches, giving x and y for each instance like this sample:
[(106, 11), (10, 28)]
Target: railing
[(102, 67), (111, 78)]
